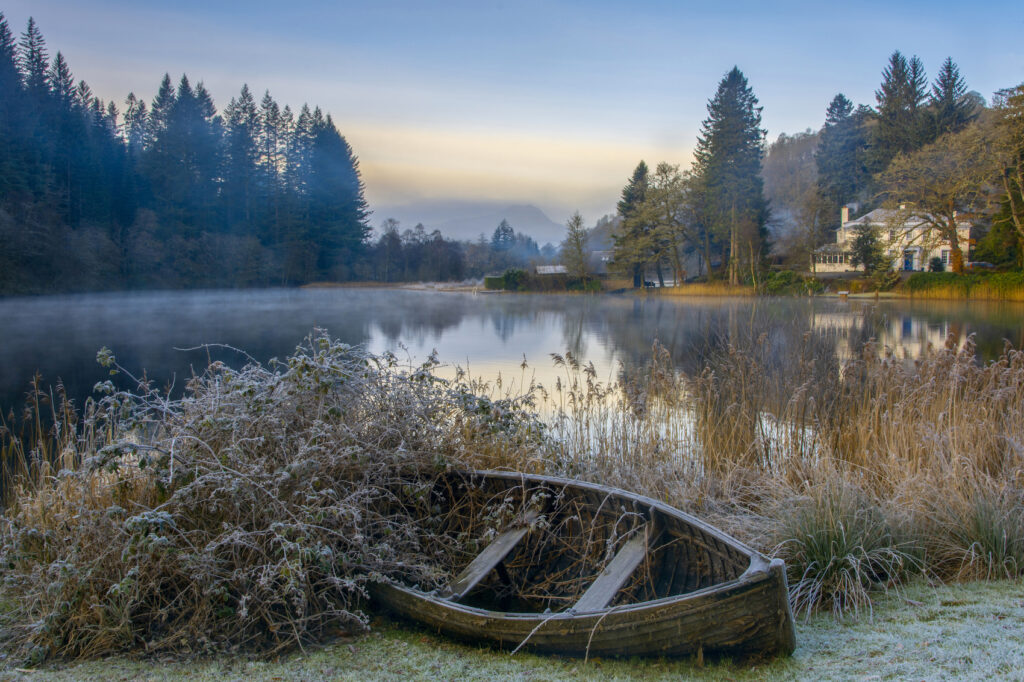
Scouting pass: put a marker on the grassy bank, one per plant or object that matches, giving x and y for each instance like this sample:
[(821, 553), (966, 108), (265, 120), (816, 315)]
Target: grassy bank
[(956, 631), (996, 286), (249, 515)]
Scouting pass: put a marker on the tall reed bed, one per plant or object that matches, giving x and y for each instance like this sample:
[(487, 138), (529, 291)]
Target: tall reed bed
[(707, 289), (251, 512), (1001, 286), (856, 474)]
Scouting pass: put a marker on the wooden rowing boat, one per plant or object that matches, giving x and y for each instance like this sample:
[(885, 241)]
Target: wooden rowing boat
[(562, 566)]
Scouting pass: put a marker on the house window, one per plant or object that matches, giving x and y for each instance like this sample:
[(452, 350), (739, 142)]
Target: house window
[(945, 256), (892, 236)]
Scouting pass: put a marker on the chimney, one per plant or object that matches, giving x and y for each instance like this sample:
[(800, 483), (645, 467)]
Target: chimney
[(844, 215)]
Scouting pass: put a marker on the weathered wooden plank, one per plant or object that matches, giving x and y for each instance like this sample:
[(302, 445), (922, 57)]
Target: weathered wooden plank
[(601, 592), (486, 561)]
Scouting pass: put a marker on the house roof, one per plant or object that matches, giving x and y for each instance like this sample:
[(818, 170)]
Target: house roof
[(886, 217)]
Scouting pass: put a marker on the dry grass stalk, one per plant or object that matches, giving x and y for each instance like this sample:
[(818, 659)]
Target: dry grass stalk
[(254, 509), (252, 515)]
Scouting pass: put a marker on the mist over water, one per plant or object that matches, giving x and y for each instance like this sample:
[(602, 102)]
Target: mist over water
[(489, 334)]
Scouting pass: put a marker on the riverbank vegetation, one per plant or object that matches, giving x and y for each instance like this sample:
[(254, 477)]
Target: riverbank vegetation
[(250, 514), (998, 286)]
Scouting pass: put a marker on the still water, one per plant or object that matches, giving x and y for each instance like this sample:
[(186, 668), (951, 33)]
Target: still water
[(491, 335)]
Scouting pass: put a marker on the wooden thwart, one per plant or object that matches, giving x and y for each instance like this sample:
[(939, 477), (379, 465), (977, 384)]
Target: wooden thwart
[(487, 560), (601, 592)]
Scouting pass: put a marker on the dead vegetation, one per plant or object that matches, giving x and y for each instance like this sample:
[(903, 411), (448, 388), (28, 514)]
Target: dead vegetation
[(247, 515), (250, 514), (858, 475)]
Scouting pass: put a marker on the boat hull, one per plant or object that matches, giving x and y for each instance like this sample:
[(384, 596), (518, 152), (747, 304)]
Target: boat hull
[(746, 616)]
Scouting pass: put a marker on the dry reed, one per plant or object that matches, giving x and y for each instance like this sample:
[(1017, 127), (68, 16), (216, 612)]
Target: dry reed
[(707, 289), (251, 512)]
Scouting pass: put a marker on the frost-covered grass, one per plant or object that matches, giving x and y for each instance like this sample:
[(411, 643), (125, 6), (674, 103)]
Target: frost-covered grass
[(967, 631)]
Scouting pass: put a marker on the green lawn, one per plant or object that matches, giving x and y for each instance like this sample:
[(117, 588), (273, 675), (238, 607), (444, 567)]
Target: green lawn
[(971, 631)]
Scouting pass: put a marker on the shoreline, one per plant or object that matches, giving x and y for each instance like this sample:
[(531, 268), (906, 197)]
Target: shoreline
[(688, 291)]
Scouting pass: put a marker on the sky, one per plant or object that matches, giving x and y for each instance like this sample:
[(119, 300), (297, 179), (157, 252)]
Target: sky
[(550, 103)]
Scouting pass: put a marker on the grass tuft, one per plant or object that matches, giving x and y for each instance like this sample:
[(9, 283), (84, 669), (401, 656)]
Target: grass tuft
[(838, 546)]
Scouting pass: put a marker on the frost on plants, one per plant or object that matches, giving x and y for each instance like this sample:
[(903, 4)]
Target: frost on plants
[(248, 514)]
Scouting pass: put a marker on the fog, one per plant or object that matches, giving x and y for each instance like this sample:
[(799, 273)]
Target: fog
[(490, 334)]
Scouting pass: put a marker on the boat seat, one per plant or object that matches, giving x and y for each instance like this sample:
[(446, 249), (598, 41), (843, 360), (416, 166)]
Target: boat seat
[(603, 590), (487, 560)]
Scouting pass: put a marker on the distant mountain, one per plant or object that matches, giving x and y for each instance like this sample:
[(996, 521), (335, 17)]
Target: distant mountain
[(467, 219)]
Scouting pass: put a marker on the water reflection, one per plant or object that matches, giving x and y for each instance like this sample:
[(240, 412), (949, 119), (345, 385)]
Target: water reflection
[(492, 334)]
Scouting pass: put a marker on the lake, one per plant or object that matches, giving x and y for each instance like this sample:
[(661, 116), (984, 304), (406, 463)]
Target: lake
[(489, 334)]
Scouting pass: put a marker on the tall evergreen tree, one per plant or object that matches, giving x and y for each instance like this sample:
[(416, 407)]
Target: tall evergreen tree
[(68, 123), (10, 79), (951, 108), (136, 121), (902, 120), (840, 158), (13, 153), (86, 202), (272, 149), (33, 61), (242, 122), (83, 96), (160, 111), (337, 206), (504, 236), (727, 168), (62, 83), (632, 240)]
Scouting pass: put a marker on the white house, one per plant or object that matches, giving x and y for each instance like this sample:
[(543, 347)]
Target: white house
[(552, 270), (909, 242)]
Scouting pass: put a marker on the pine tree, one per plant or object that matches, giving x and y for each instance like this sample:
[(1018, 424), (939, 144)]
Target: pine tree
[(13, 161), (242, 122), (902, 120), (10, 79), (32, 59), (633, 192), (70, 148), (632, 240), (951, 108), (839, 158), (136, 121), (337, 206), (160, 111), (83, 96), (727, 168), (504, 236), (74, 176), (62, 83), (272, 145)]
